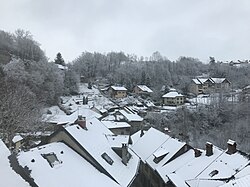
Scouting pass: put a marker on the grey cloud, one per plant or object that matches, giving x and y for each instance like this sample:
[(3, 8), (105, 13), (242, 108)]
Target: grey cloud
[(175, 28)]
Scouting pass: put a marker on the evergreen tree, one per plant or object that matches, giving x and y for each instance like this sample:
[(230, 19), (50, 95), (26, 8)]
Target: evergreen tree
[(59, 59)]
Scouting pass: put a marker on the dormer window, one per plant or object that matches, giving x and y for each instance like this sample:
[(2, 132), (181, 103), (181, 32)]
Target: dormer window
[(159, 155), (107, 158), (52, 159), (158, 159)]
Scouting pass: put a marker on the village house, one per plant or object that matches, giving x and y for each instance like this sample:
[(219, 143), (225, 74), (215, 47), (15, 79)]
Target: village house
[(156, 149), (118, 128), (142, 90), (132, 118), (220, 84), (209, 85), (245, 94), (117, 92), (107, 153), (167, 162), (56, 164), (173, 98)]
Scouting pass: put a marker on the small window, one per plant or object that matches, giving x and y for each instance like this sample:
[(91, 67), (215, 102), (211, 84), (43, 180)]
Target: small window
[(107, 158), (52, 159)]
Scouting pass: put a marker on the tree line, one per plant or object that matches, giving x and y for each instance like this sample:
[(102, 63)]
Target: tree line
[(156, 71), (29, 82)]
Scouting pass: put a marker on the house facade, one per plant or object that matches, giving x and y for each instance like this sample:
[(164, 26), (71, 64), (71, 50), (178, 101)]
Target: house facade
[(173, 98), (118, 92), (209, 85)]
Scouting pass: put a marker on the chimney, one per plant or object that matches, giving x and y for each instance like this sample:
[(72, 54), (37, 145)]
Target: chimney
[(231, 147), (81, 121), (124, 153), (142, 133), (197, 153), (209, 149)]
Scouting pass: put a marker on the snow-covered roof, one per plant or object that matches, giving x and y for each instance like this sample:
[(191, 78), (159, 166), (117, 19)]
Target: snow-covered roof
[(203, 80), (218, 80), (148, 143), (226, 165), (114, 124), (177, 181), (172, 94), (17, 138), (119, 88), (117, 140), (220, 165), (144, 88), (61, 67), (204, 183), (213, 80), (196, 81), (231, 142), (167, 150), (8, 176), (70, 169), (241, 182), (131, 116), (155, 144), (247, 87), (64, 119), (136, 136), (95, 142)]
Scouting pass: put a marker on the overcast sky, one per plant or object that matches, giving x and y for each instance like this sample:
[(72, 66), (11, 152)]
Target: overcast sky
[(196, 28)]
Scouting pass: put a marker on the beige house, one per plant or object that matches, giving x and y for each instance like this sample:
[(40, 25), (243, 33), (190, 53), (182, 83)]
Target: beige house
[(142, 89), (208, 85), (173, 98), (118, 92)]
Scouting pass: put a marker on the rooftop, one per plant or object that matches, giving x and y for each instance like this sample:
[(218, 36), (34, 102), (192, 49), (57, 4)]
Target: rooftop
[(67, 169), (95, 142), (114, 124), (8, 176), (131, 116), (172, 94), (119, 88), (144, 88)]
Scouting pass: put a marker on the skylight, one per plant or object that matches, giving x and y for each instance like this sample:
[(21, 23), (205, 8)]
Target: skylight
[(52, 159), (107, 158), (213, 173)]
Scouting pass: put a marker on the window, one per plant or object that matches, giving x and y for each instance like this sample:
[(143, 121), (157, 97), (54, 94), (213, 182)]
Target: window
[(52, 159), (107, 158)]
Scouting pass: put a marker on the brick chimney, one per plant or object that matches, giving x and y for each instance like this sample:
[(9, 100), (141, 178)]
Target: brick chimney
[(81, 121), (209, 149), (197, 153), (125, 154), (142, 133), (231, 147)]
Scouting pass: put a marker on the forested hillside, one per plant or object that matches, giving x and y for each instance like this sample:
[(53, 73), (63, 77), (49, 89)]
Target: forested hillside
[(28, 83), (156, 71), (221, 120)]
